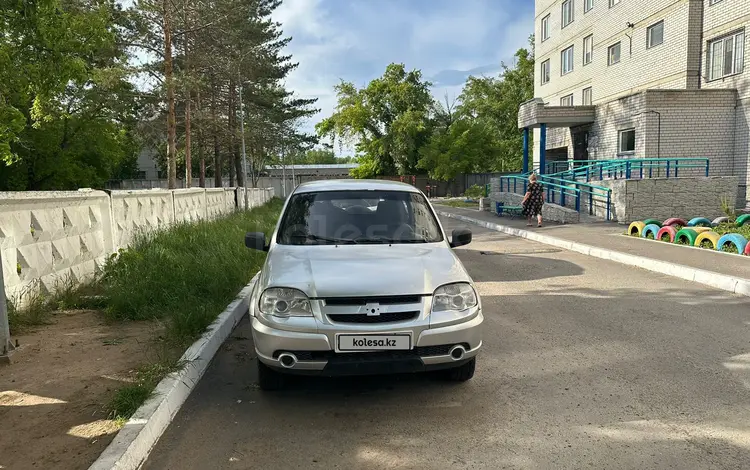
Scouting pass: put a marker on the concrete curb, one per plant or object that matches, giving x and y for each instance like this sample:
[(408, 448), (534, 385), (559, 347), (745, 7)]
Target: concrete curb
[(720, 281), (134, 441)]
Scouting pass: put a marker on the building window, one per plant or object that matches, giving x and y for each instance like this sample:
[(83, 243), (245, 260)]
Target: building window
[(726, 56), (141, 175), (566, 100), (655, 34), (613, 3), (566, 59), (613, 54), (545, 72), (587, 97), (588, 49), (626, 141), (588, 5), (545, 28), (567, 12)]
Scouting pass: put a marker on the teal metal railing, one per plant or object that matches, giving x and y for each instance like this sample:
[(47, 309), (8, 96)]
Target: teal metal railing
[(561, 191), (588, 170)]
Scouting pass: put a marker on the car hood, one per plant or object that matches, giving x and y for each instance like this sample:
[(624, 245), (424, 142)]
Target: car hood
[(362, 270)]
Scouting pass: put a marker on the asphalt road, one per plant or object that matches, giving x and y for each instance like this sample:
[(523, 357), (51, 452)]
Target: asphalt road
[(587, 364)]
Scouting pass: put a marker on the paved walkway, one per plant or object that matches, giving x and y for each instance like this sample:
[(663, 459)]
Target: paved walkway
[(611, 236)]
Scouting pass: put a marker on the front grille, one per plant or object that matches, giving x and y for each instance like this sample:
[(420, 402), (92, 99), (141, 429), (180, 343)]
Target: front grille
[(388, 317), (422, 351), (382, 300)]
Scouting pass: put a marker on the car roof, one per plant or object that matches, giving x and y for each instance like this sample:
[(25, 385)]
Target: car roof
[(354, 185)]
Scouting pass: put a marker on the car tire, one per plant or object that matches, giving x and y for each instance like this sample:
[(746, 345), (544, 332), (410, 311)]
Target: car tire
[(269, 379), (463, 372)]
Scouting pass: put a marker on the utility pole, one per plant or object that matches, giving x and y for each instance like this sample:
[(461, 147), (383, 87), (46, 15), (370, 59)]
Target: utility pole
[(6, 347), (242, 131)]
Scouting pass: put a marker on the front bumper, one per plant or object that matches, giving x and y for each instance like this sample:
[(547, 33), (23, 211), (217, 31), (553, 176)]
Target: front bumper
[(314, 353)]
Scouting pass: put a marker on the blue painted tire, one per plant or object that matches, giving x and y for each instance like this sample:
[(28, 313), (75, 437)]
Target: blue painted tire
[(718, 221), (652, 229), (739, 242), (699, 222)]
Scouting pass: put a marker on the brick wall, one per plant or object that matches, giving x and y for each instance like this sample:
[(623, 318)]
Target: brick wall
[(636, 70), (674, 197)]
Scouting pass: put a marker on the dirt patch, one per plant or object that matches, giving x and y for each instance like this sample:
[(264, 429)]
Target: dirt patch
[(53, 395)]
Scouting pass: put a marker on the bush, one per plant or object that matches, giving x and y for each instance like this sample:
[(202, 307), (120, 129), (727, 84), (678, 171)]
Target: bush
[(186, 274), (474, 192)]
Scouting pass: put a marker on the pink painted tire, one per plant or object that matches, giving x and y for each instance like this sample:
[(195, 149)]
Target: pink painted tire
[(747, 249), (665, 232), (675, 221)]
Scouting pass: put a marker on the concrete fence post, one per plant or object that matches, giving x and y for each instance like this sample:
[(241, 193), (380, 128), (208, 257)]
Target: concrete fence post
[(5, 344)]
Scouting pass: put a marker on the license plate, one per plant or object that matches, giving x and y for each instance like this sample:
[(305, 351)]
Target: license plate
[(384, 342)]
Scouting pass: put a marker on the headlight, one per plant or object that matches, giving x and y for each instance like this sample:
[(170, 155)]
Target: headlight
[(285, 302), (457, 297)]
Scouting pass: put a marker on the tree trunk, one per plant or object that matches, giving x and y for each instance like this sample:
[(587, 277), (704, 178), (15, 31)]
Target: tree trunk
[(188, 99), (169, 81), (215, 130), (232, 131), (201, 156), (237, 142)]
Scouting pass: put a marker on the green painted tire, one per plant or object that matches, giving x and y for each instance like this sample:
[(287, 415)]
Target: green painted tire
[(743, 219), (686, 236), (652, 222)]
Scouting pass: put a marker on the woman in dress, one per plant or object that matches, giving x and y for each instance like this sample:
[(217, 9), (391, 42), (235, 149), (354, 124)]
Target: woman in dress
[(533, 201)]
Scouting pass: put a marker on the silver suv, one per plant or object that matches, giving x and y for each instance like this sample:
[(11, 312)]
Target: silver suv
[(361, 279)]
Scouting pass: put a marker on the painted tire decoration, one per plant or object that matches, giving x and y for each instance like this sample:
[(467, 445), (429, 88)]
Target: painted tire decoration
[(718, 221), (686, 236), (652, 222), (674, 221), (743, 219), (747, 249), (636, 229), (711, 237), (739, 242), (700, 230), (666, 234), (651, 229), (699, 222)]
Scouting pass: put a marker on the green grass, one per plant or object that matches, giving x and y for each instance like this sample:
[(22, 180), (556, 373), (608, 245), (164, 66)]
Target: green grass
[(184, 276), (36, 306), (723, 229), (130, 397), (187, 274), (457, 203)]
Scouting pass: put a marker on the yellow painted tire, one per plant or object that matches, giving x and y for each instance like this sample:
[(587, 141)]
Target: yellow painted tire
[(699, 230), (636, 229), (712, 237)]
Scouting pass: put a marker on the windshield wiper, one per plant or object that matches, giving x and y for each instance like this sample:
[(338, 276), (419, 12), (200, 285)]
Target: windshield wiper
[(318, 238), (390, 240)]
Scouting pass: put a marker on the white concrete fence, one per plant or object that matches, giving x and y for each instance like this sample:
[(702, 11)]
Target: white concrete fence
[(50, 237)]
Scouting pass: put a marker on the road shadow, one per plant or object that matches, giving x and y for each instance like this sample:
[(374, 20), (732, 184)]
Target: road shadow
[(519, 267)]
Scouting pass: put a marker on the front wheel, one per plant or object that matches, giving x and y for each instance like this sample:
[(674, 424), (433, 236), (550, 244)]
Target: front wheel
[(268, 378), (463, 372)]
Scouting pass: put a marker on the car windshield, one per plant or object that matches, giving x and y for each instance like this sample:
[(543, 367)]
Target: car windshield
[(349, 217)]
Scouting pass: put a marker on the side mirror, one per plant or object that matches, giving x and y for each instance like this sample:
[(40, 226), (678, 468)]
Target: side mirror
[(256, 241), (460, 237)]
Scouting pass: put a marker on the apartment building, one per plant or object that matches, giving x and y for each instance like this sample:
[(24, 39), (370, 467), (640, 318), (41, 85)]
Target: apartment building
[(642, 79)]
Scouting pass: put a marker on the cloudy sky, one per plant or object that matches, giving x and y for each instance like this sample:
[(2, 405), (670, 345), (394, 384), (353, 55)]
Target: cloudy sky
[(355, 40)]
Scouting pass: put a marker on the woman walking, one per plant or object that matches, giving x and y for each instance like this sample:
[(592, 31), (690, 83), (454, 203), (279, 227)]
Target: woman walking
[(533, 201)]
